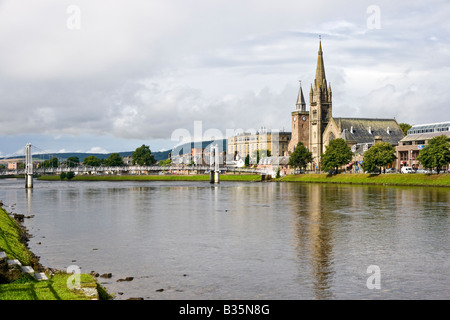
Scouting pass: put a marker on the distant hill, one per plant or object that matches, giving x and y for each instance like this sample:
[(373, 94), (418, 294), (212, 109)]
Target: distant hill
[(159, 155)]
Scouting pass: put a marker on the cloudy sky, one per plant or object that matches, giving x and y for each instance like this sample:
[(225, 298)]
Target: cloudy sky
[(111, 75)]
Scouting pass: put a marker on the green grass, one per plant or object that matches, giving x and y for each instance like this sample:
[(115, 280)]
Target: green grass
[(200, 177), (10, 239), (417, 179), (27, 287)]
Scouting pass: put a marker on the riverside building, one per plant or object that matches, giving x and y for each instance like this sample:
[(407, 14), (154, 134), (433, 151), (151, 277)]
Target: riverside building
[(317, 127), (416, 139)]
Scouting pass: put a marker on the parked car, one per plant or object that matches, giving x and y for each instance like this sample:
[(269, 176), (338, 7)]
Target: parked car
[(391, 170), (407, 170), (422, 171)]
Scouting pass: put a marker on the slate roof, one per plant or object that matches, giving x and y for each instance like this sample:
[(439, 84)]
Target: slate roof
[(357, 129)]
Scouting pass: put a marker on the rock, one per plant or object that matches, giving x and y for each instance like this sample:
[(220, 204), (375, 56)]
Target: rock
[(135, 299), (159, 290), (106, 275), (18, 216), (126, 279)]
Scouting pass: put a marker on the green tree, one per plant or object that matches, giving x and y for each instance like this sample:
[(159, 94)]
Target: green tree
[(92, 161), (436, 154), (166, 162), (300, 157), (51, 163), (143, 156), (259, 154), (336, 154), (114, 160), (247, 160), (73, 162), (405, 127), (379, 155), (70, 175), (62, 175)]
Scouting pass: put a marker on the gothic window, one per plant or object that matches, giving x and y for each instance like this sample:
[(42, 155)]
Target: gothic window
[(331, 136)]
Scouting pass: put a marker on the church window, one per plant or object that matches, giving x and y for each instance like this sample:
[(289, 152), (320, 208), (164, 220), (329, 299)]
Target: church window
[(331, 136)]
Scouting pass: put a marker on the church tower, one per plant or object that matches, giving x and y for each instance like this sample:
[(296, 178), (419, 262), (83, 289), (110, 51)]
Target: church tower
[(300, 123), (319, 109)]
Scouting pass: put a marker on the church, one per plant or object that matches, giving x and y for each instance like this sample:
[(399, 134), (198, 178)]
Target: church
[(317, 127)]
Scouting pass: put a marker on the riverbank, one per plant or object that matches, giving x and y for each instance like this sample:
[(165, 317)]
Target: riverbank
[(15, 285), (417, 179)]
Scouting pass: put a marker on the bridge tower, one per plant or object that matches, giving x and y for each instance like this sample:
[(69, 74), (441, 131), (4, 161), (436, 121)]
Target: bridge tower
[(214, 161), (28, 167)]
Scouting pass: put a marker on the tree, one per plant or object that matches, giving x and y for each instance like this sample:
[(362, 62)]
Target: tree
[(70, 175), (73, 162), (166, 162), (379, 155), (258, 154), (51, 163), (62, 175), (336, 154), (436, 154), (114, 160), (247, 160), (405, 127), (143, 156), (300, 157), (92, 161)]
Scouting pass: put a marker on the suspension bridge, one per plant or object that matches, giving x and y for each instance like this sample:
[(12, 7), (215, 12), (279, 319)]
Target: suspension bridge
[(31, 168)]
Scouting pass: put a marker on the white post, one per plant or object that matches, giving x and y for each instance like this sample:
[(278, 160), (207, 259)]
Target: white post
[(211, 163), (217, 163), (28, 167)]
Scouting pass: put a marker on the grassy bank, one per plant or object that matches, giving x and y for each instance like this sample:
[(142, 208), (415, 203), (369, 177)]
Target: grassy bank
[(200, 177), (417, 179), (13, 243)]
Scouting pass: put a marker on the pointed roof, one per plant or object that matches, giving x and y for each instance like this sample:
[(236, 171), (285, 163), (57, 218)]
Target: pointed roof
[(301, 105), (320, 70)]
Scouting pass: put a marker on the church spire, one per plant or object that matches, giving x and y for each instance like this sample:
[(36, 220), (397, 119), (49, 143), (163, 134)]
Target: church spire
[(301, 105), (320, 80)]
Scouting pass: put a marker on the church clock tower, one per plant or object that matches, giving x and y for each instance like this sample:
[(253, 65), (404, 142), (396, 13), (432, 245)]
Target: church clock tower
[(300, 123), (319, 110)]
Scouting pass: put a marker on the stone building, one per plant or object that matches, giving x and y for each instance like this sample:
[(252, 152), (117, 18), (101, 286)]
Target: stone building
[(317, 127), (247, 143), (300, 123)]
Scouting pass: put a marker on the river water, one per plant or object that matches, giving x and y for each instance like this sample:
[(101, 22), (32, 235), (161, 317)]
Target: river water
[(243, 240)]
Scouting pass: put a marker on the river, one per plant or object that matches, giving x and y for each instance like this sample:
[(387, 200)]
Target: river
[(242, 240)]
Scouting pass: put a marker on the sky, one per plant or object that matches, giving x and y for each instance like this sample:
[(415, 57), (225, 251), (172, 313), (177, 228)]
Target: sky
[(110, 75)]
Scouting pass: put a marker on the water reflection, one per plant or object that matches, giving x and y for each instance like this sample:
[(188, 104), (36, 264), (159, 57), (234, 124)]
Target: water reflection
[(244, 240), (341, 230)]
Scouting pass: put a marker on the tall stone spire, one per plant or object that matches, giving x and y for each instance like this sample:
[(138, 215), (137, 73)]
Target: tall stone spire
[(320, 109), (320, 80), (301, 105)]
